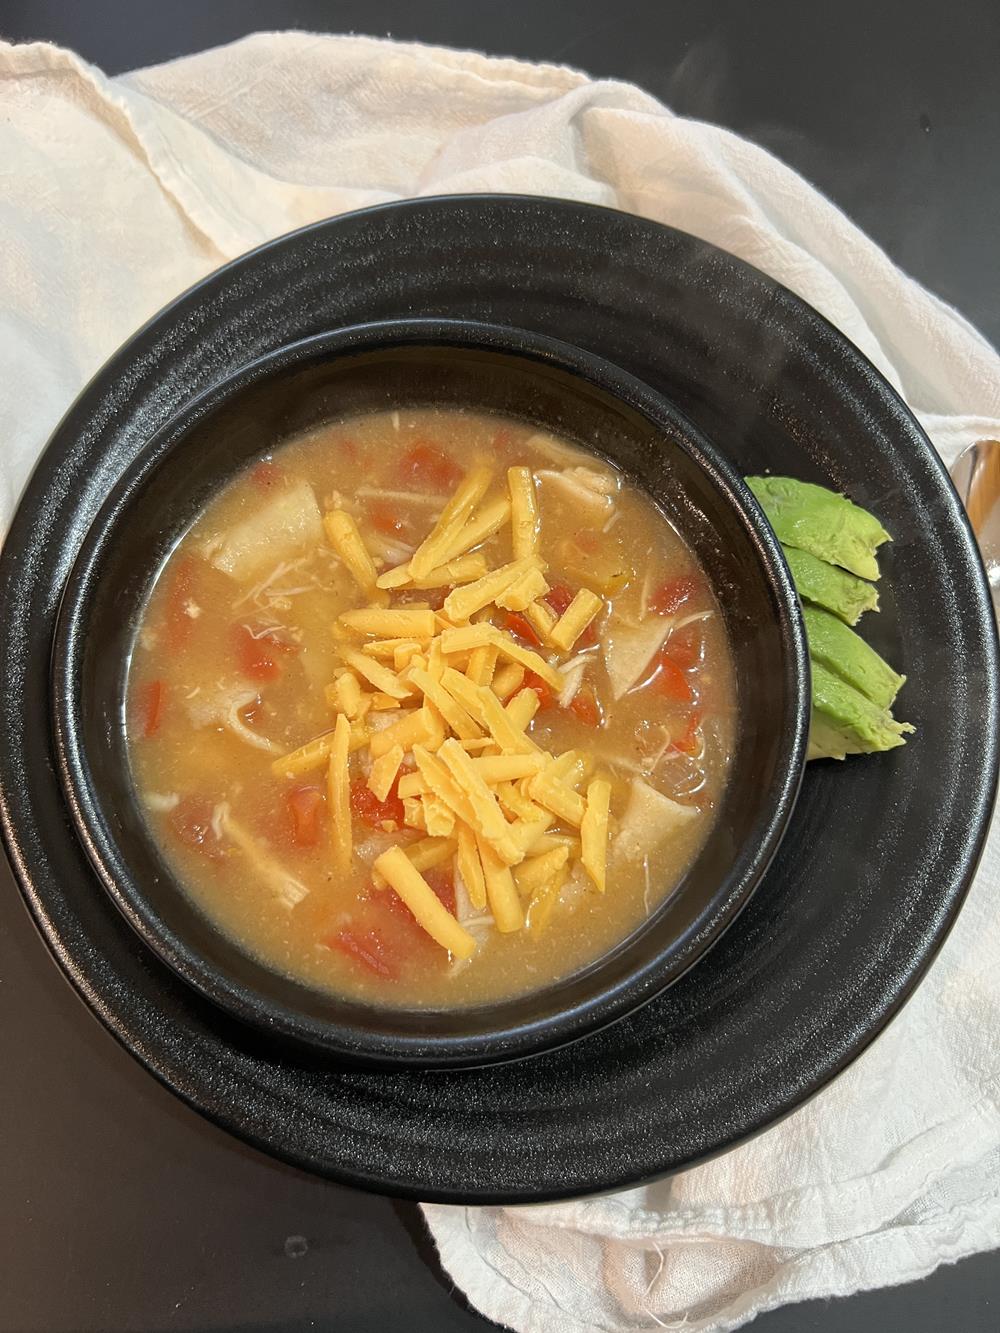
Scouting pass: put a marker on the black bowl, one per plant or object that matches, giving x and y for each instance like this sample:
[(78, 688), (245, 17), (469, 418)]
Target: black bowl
[(439, 362)]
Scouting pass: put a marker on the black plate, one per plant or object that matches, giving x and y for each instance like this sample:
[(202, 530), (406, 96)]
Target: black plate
[(881, 850)]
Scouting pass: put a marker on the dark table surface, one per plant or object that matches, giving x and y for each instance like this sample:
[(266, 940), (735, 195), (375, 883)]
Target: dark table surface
[(122, 1210)]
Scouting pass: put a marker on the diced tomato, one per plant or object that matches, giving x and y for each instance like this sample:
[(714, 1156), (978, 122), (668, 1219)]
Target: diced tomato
[(368, 948), (585, 708), (259, 655), (687, 741), (267, 475), (671, 682), (685, 647), (191, 821), (546, 695), (518, 625), (385, 519), (305, 807), (675, 593), (178, 623), (434, 597), (366, 806), (151, 702), (559, 597), (424, 467)]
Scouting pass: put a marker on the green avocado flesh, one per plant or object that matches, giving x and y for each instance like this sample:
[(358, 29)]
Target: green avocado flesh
[(829, 587), (827, 525), (847, 655), (845, 722), (830, 545)]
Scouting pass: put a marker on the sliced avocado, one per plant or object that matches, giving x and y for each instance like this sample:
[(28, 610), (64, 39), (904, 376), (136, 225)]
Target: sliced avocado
[(847, 655), (845, 722), (827, 741), (827, 525), (825, 585)]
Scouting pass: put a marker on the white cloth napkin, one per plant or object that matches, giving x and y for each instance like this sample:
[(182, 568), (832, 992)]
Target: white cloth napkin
[(118, 193)]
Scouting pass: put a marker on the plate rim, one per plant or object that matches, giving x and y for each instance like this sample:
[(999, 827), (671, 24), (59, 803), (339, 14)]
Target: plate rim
[(972, 847)]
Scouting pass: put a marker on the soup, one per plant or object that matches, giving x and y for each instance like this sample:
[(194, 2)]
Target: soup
[(430, 709)]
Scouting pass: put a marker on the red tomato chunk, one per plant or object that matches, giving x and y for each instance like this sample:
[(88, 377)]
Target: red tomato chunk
[(559, 597), (546, 696), (259, 655), (366, 806), (585, 708), (423, 467), (671, 682), (686, 647), (305, 809), (520, 626), (675, 593), (368, 949), (385, 519), (688, 741)]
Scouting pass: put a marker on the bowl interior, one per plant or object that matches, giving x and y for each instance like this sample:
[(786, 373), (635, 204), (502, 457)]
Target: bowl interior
[(367, 369)]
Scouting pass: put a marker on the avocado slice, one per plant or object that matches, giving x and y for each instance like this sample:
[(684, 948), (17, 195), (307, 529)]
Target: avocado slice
[(834, 589), (827, 525), (845, 722), (847, 655)]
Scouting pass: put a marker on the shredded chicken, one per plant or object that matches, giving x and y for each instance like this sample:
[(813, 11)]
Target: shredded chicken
[(267, 589), (572, 673), (629, 650), (221, 708), (287, 889), (692, 619), (404, 497), (286, 523), (388, 551), (162, 802), (596, 490), (649, 818)]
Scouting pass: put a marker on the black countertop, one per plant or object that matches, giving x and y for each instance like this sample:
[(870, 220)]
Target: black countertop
[(120, 1209)]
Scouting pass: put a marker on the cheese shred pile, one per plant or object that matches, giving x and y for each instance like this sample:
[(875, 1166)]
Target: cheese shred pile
[(512, 818)]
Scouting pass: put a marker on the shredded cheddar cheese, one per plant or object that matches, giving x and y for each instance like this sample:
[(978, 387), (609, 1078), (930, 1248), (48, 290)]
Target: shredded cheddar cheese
[(384, 771), (575, 619), (594, 831), (523, 511), (345, 538), (435, 549), (339, 793), (403, 877), (461, 755)]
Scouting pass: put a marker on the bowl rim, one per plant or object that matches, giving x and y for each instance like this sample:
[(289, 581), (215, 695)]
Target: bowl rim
[(399, 1050)]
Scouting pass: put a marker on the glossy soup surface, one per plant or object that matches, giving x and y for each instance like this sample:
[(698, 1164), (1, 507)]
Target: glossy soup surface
[(236, 665)]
